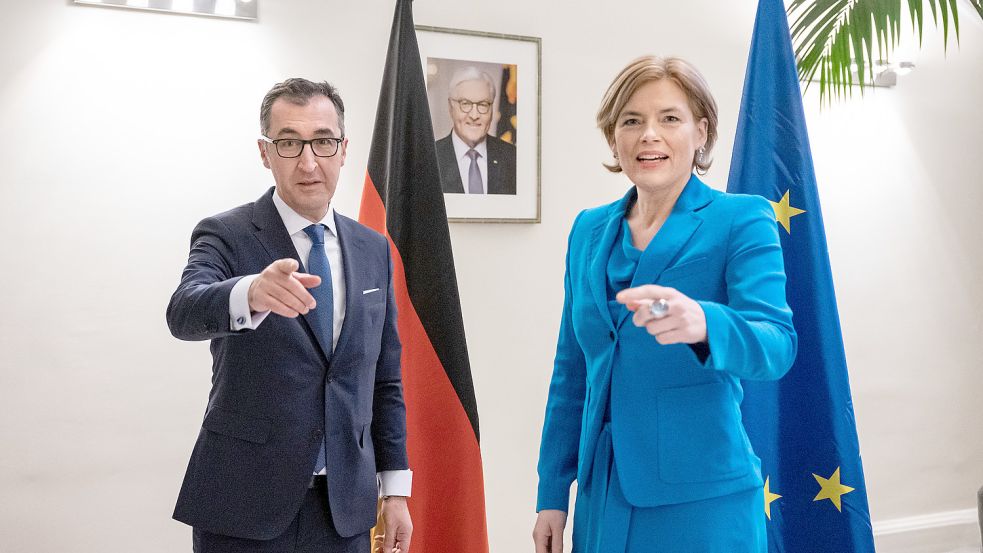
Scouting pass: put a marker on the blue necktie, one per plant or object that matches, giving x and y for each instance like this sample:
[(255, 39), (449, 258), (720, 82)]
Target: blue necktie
[(321, 317), (474, 174)]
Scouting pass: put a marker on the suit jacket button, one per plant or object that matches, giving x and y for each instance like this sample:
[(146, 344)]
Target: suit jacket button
[(611, 334)]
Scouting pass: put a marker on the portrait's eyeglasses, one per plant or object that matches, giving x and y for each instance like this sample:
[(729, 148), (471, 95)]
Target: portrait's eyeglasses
[(467, 105), (293, 147)]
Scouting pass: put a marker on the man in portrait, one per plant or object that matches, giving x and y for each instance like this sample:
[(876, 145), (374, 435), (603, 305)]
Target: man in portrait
[(471, 161)]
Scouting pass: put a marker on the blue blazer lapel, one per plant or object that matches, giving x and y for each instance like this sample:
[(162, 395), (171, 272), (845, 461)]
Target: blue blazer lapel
[(675, 233), (271, 233), (270, 230), (602, 240), (351, 244)]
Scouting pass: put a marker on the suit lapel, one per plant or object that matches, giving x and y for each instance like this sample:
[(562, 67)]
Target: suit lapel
[(351, 243), (675, 233), (494, 176), (272, 234), (602, 240), (494, 171), (445, 149)]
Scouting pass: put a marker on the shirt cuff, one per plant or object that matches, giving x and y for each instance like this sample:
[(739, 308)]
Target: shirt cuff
[(240, 317), (395, 482)]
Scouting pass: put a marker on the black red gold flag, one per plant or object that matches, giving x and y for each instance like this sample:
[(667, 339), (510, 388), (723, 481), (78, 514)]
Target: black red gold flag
[(402, 199)]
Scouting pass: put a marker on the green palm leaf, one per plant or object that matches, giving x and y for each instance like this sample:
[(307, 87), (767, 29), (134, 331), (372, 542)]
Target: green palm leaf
[(830, 36)]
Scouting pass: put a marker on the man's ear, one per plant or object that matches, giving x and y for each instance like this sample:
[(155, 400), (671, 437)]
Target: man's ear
[(343, 150), (262, 152)]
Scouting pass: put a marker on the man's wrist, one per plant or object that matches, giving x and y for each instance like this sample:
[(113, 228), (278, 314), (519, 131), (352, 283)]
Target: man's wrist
[(241, 314), (394, 483)]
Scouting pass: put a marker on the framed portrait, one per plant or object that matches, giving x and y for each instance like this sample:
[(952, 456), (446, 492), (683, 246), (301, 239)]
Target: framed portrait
[(484, 94)]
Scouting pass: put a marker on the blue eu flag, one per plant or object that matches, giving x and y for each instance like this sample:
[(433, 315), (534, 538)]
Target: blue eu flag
[(802, 426)]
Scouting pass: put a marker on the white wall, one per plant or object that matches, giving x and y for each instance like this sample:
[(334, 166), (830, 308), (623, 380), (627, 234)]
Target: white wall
[(899, 176), (122, 129)]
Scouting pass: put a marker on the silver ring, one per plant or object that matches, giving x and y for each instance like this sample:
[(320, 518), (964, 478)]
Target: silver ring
[(659, 309)]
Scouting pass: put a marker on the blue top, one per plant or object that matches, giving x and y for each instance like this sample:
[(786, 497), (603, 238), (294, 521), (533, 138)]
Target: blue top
[(621, 268), (621, 271)]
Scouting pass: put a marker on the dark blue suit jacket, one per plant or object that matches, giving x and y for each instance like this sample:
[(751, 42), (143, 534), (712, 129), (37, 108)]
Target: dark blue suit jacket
[(675, 415), (274, 396)]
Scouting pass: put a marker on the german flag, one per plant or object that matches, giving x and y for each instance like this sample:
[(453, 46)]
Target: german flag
[(402, 199)]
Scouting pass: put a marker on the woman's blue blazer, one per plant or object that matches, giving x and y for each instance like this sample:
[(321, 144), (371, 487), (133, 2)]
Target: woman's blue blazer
[(674, 411)]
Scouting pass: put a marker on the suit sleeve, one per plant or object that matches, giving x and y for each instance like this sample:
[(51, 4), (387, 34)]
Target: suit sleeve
[(199, 308), (564, 409), (389, 409), (751, 336)]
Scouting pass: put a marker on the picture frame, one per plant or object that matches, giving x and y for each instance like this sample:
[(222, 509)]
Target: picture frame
[(484, 91)]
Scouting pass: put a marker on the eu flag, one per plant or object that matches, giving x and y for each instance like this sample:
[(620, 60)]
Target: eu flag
[(802, 426)]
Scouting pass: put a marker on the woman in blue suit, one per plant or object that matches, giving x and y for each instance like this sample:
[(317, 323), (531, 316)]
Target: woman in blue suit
[(645, 414)]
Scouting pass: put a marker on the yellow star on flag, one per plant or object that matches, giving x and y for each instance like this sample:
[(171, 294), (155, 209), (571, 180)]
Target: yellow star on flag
[(769, 497), (784, 212), (832, 489)]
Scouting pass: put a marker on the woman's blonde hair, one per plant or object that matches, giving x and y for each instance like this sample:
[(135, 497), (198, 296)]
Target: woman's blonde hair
[(647, 69)]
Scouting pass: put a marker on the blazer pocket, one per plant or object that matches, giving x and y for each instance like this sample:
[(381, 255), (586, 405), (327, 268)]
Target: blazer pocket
[(682, 271), (236, 425), (700, 435)]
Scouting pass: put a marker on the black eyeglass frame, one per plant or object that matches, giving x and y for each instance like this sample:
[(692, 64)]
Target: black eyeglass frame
[(474, 105), (276, 145)]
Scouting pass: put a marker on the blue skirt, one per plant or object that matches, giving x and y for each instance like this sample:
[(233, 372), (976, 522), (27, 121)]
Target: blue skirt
[(604, 521)]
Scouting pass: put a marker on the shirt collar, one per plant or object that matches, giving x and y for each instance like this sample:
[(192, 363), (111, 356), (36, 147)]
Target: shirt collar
[(461, 149), (296, 222)]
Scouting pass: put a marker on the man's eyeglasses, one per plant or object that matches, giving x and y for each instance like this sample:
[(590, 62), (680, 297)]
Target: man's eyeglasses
[(293, 147), (467, 105)]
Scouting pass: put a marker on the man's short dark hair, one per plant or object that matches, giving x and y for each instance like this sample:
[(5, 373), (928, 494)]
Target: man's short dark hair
[(299, 92)]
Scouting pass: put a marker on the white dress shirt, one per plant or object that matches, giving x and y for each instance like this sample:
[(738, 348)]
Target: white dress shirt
[(391, 482), (464, 161)]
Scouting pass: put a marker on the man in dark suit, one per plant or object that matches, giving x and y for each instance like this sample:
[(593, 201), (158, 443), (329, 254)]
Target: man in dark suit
[(470, 160), (305, 424)]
